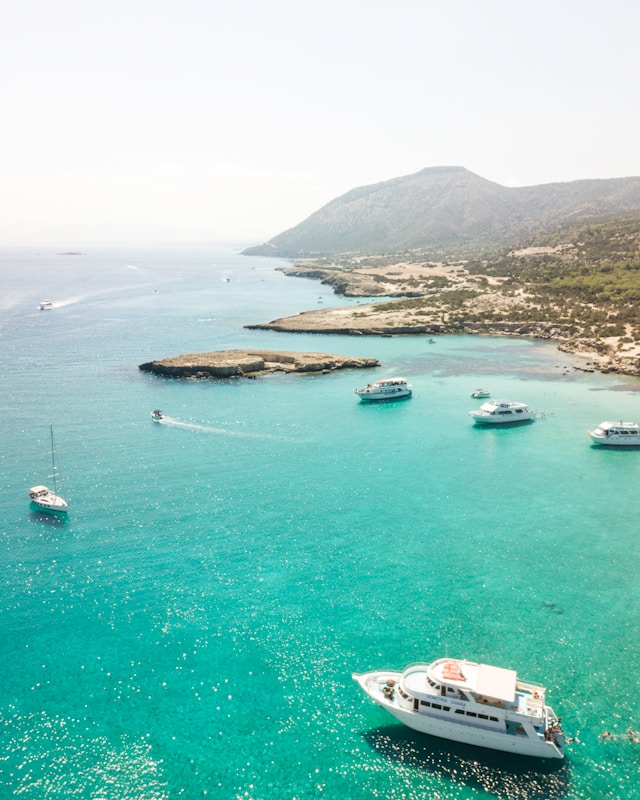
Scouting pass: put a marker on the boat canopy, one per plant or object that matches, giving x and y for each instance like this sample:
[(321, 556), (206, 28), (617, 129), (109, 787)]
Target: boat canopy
[(497, 683)]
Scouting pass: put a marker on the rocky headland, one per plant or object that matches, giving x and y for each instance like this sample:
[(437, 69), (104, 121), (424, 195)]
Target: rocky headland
[(251, 364), (432, 298)]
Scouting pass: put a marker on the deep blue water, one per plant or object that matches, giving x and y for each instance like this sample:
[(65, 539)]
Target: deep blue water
[(191, 629)]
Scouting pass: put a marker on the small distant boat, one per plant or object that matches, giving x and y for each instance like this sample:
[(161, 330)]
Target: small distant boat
[(45, 305), (156, 415), (384, 389), (481, 393), (616, 434), (472, 703), (45, 499), (498, 412), (432, 341)]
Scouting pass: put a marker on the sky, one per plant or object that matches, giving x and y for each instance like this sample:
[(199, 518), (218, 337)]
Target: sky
[(203, 121)]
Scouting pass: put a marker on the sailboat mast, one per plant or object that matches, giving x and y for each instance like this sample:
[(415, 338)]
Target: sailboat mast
[(53, 460)]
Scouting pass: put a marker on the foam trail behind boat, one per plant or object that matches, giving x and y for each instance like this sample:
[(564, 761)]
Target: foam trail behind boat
[(176, 423)]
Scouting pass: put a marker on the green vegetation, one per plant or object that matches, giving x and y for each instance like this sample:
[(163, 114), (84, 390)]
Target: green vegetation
[(588, 275)]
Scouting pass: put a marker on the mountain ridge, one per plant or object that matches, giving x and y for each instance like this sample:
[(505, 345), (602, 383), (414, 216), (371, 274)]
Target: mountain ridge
[(446, 206)]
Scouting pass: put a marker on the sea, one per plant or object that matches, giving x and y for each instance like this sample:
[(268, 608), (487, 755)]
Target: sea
[(191, 629)]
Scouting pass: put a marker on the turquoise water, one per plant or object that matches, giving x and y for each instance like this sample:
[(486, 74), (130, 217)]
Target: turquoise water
[(191, 629)]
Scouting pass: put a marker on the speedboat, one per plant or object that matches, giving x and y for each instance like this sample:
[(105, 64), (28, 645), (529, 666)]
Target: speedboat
[(46, 500), (45, 305), (481, 393), (618, 434), (156, 415), (472, 703), (384, 389), (501, 411)]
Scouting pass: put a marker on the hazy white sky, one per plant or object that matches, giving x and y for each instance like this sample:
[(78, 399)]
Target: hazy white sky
[(209, 121)]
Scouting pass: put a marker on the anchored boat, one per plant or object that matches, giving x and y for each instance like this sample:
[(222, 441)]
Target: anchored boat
[(617, 434), (472, 703), (45, 499), (497, 412), (384, 389)]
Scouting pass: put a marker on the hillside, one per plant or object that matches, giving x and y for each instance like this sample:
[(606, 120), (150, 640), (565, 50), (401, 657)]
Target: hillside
[(577, 284), (447, 207)]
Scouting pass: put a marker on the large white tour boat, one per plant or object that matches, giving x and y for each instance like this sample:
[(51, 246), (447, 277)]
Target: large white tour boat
[(471, 703), (497, 412), (384, 389), (618, 434)]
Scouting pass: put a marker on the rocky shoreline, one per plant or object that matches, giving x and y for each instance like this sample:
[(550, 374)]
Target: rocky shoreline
[(394, 318), (251, 364)]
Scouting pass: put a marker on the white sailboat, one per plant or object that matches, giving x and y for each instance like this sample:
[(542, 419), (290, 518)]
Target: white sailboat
[(45, 499)]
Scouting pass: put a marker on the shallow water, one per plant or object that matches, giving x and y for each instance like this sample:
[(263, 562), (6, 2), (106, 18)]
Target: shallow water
[(192, 628)]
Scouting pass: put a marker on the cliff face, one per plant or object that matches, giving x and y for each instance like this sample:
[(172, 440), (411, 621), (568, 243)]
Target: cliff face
[(251, 363), (446, 206)]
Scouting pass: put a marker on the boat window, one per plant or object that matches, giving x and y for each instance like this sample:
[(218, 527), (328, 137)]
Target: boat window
[(436, 705), (493, 719), (471, 714), (483, 716), (459, 711), (425, 703)]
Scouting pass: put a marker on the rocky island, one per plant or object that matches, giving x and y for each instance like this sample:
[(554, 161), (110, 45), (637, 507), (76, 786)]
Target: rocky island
[(251, 364)]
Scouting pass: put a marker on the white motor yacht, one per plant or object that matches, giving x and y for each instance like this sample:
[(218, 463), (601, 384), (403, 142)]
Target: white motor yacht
[(384, 389), (617, 434), (500, 411), (472, 703)]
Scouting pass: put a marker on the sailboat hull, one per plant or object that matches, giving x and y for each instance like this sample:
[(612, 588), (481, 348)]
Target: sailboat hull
[(45, 500)]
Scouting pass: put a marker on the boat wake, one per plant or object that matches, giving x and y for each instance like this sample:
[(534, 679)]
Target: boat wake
[(194, 426)]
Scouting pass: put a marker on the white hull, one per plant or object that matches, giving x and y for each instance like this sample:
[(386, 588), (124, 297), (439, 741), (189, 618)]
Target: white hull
[(482, 419), (50, 503), (369, 397), (384, 389), (502, 412), (456, 727), (615, 441), (614, 434), (456, 732)]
